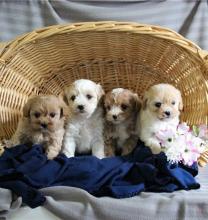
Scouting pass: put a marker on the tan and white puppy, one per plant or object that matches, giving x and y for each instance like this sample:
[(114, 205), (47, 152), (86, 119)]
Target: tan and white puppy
[(121, 109), (84, 129), (42, 123), (161, 109)]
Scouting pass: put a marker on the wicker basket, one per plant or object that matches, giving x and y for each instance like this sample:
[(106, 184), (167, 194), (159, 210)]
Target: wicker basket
[(116, 54)]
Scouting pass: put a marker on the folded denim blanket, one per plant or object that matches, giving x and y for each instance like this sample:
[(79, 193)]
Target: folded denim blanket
[(24, 170)]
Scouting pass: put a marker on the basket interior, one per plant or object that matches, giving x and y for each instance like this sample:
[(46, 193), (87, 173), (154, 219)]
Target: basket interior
[(112, 58)]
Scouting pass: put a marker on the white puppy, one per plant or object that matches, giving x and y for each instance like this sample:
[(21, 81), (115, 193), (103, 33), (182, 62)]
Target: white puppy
[(161, 109), (84, 129)]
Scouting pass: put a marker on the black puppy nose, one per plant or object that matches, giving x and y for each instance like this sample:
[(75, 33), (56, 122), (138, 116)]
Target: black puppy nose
[(80, 107), (115, 117), (43, 125), (167, 113)]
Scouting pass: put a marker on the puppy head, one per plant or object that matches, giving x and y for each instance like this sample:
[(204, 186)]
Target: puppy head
[(120, 104), (83, 97), (45, 113), (164, 101)]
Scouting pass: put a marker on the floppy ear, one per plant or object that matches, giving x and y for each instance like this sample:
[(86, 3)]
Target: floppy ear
[(63, 96), (144, 101), (100, 92), (144, 104), (27, 107), (63, 108), (180, 106), (138, 102)]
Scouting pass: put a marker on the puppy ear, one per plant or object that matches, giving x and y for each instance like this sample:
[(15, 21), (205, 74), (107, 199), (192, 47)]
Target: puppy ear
[(27, 107), (138, 102), (100, 92), (64, 97), (180, 106), (63, 108), (145, 100), (144, 104)]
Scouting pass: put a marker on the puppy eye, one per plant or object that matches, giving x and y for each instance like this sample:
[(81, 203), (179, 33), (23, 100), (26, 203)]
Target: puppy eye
[(73, 97), (37, 114), (124, 107), (173, 103), (89, 96), (52, 114), (158, 104)]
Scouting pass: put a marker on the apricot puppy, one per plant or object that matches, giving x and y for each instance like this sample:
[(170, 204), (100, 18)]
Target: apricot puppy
[(161, 109), (42, 123)]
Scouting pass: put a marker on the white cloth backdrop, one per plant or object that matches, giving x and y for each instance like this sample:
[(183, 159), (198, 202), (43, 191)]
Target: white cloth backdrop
[(188, 17)]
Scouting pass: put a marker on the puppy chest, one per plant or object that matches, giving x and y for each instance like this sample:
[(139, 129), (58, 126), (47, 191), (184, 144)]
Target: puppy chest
[(85, 138), (120, 132)]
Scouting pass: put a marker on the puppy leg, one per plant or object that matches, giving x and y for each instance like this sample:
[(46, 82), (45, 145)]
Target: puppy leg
[(98, 149), (120, 146), (109, 148), (154, 145), (52, 151), (2, 145), (130, 144), (69, 147), (54, 148)]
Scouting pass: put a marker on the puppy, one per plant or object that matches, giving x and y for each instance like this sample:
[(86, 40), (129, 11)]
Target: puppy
[(160, 111), (42, 123), (121, 109), (84, 129)]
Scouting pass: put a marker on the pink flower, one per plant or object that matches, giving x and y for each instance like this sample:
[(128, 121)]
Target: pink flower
[(203, 132), (183, 128), (189, 157), (165, 135), (184, 145)]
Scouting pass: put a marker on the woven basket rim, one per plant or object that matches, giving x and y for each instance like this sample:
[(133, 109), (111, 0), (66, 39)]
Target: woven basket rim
[(7, 48)]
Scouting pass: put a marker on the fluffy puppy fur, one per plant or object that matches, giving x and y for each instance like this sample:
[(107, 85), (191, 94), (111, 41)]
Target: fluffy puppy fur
[(161, 109), (42, 123), (84, 129), (121, 109)]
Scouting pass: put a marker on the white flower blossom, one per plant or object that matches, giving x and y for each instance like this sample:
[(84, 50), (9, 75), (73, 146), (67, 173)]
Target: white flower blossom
[(183, 145)]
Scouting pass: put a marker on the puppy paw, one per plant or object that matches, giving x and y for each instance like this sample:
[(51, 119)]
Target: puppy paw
[(155, 150), (1, 149), (98, 150), (68, 153), (51, 154), (154, 146), (99, 155)]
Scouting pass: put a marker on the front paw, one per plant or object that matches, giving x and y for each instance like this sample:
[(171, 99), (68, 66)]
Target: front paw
[(154, 146), (1, 149), (156, 150), (51, 154), (68, 153), (99, 155)]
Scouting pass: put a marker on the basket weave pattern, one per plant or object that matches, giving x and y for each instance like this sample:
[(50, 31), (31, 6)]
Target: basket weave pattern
[(115, 54)]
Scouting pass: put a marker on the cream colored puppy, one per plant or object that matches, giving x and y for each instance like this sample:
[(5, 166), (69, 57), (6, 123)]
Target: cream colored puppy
[(42, 123), (161, 109), (121, 109), (84, 129)]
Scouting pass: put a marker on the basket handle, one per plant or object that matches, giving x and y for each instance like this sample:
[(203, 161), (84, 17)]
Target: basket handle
[(2, 47), (203, 160), (128, 27), (204, 55)]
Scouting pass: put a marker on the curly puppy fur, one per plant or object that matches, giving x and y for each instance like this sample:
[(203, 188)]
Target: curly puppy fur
[(84, 129), (121, 109), (161, 110), (42, 123)]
